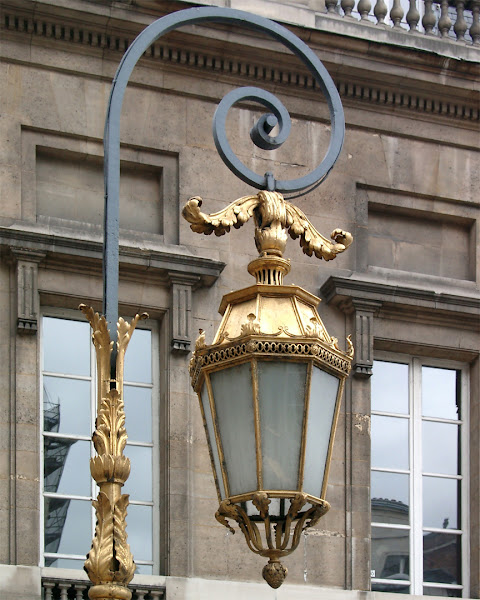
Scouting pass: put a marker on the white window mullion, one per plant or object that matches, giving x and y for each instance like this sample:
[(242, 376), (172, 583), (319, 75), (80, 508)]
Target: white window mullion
[(465, 466), (416, 478)]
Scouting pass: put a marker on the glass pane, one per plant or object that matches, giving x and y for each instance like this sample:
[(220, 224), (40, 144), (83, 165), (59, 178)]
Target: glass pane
[(68, 526), (66, 346), (64, 563), (389, 442), (441, 557), (281, 399), (444, 592), (439, 393), (139, 484), (441, 502), (67, 466), (138, 357), (143, 569), (390, 387), (390, 587), (66, 406), (390, 498), (139, 530), (440, 448), (391, 553), (138, 413), (211, 439), (232, 390), (323, 396)]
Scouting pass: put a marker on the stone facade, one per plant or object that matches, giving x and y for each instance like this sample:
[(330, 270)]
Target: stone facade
[(406, 185)]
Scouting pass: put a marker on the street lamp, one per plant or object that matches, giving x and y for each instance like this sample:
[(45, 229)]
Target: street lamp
[(270, 384), (269, 388)]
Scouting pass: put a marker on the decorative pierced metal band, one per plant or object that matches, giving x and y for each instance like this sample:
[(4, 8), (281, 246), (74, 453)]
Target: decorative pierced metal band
[(210, 356)]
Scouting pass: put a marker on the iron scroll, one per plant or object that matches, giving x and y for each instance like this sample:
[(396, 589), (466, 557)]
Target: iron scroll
[(259, 134)]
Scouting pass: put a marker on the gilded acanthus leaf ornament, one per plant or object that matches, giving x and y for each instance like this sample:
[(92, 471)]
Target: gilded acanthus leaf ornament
[(110, 564), (99, 560), (235, 214), (274, 217), (126, 566)]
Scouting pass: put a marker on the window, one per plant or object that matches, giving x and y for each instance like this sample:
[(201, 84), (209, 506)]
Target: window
[(69, 410), (418, 478)]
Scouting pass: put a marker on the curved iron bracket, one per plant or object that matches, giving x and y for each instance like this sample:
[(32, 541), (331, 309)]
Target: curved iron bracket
[(259, 134)]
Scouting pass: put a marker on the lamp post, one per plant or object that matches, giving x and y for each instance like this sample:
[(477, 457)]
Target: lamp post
[(270, 383)]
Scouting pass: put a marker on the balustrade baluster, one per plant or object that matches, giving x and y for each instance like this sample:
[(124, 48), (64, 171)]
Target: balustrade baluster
[(141, 594), (364, 7), (396, 14), (413, 16), (64, 590), (347, 7), (444, 23), (429, 20), (156, 594), (331, 5), (475, 27), (380, 11), (460, 26), (48, 587), (79, 591)]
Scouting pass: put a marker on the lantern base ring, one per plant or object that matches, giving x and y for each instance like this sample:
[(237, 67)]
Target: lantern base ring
[(280, 534)]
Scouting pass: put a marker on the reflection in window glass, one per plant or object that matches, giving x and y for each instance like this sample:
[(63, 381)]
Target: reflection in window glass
[(391, 553), (389, 442), (439, 393), (139, 529), (69, 410), (67, 525), (443, 592), (66, 467), (441, 557), (440, 502), (390, 499), (440, 448), (385, 396), (390, 587), (138, 413), (417, 495), (138, 358), (66, 346), (66, 406), (139, 484)]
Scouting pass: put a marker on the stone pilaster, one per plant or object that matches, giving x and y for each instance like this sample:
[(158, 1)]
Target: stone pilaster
[(26, 265), (181, 311)]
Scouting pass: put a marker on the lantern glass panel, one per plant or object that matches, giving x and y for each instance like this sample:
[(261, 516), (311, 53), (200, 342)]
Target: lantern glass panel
[(212, 441), (281, 396), (232, 392), (323, 399)]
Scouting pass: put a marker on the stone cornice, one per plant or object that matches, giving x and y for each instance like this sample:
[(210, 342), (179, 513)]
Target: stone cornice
[(404, 302), (138, 264), (223, 58)]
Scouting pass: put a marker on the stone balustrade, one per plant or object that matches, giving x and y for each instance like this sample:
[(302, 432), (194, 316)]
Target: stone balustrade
[(455, 20), (56, 588)]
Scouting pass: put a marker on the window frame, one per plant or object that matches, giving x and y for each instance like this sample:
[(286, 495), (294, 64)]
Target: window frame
[(148, 324), (415, 470)]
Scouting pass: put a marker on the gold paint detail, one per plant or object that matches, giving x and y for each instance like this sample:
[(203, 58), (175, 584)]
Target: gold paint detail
[(281, 534), (351, 349), (109, 564), (274, 219)]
